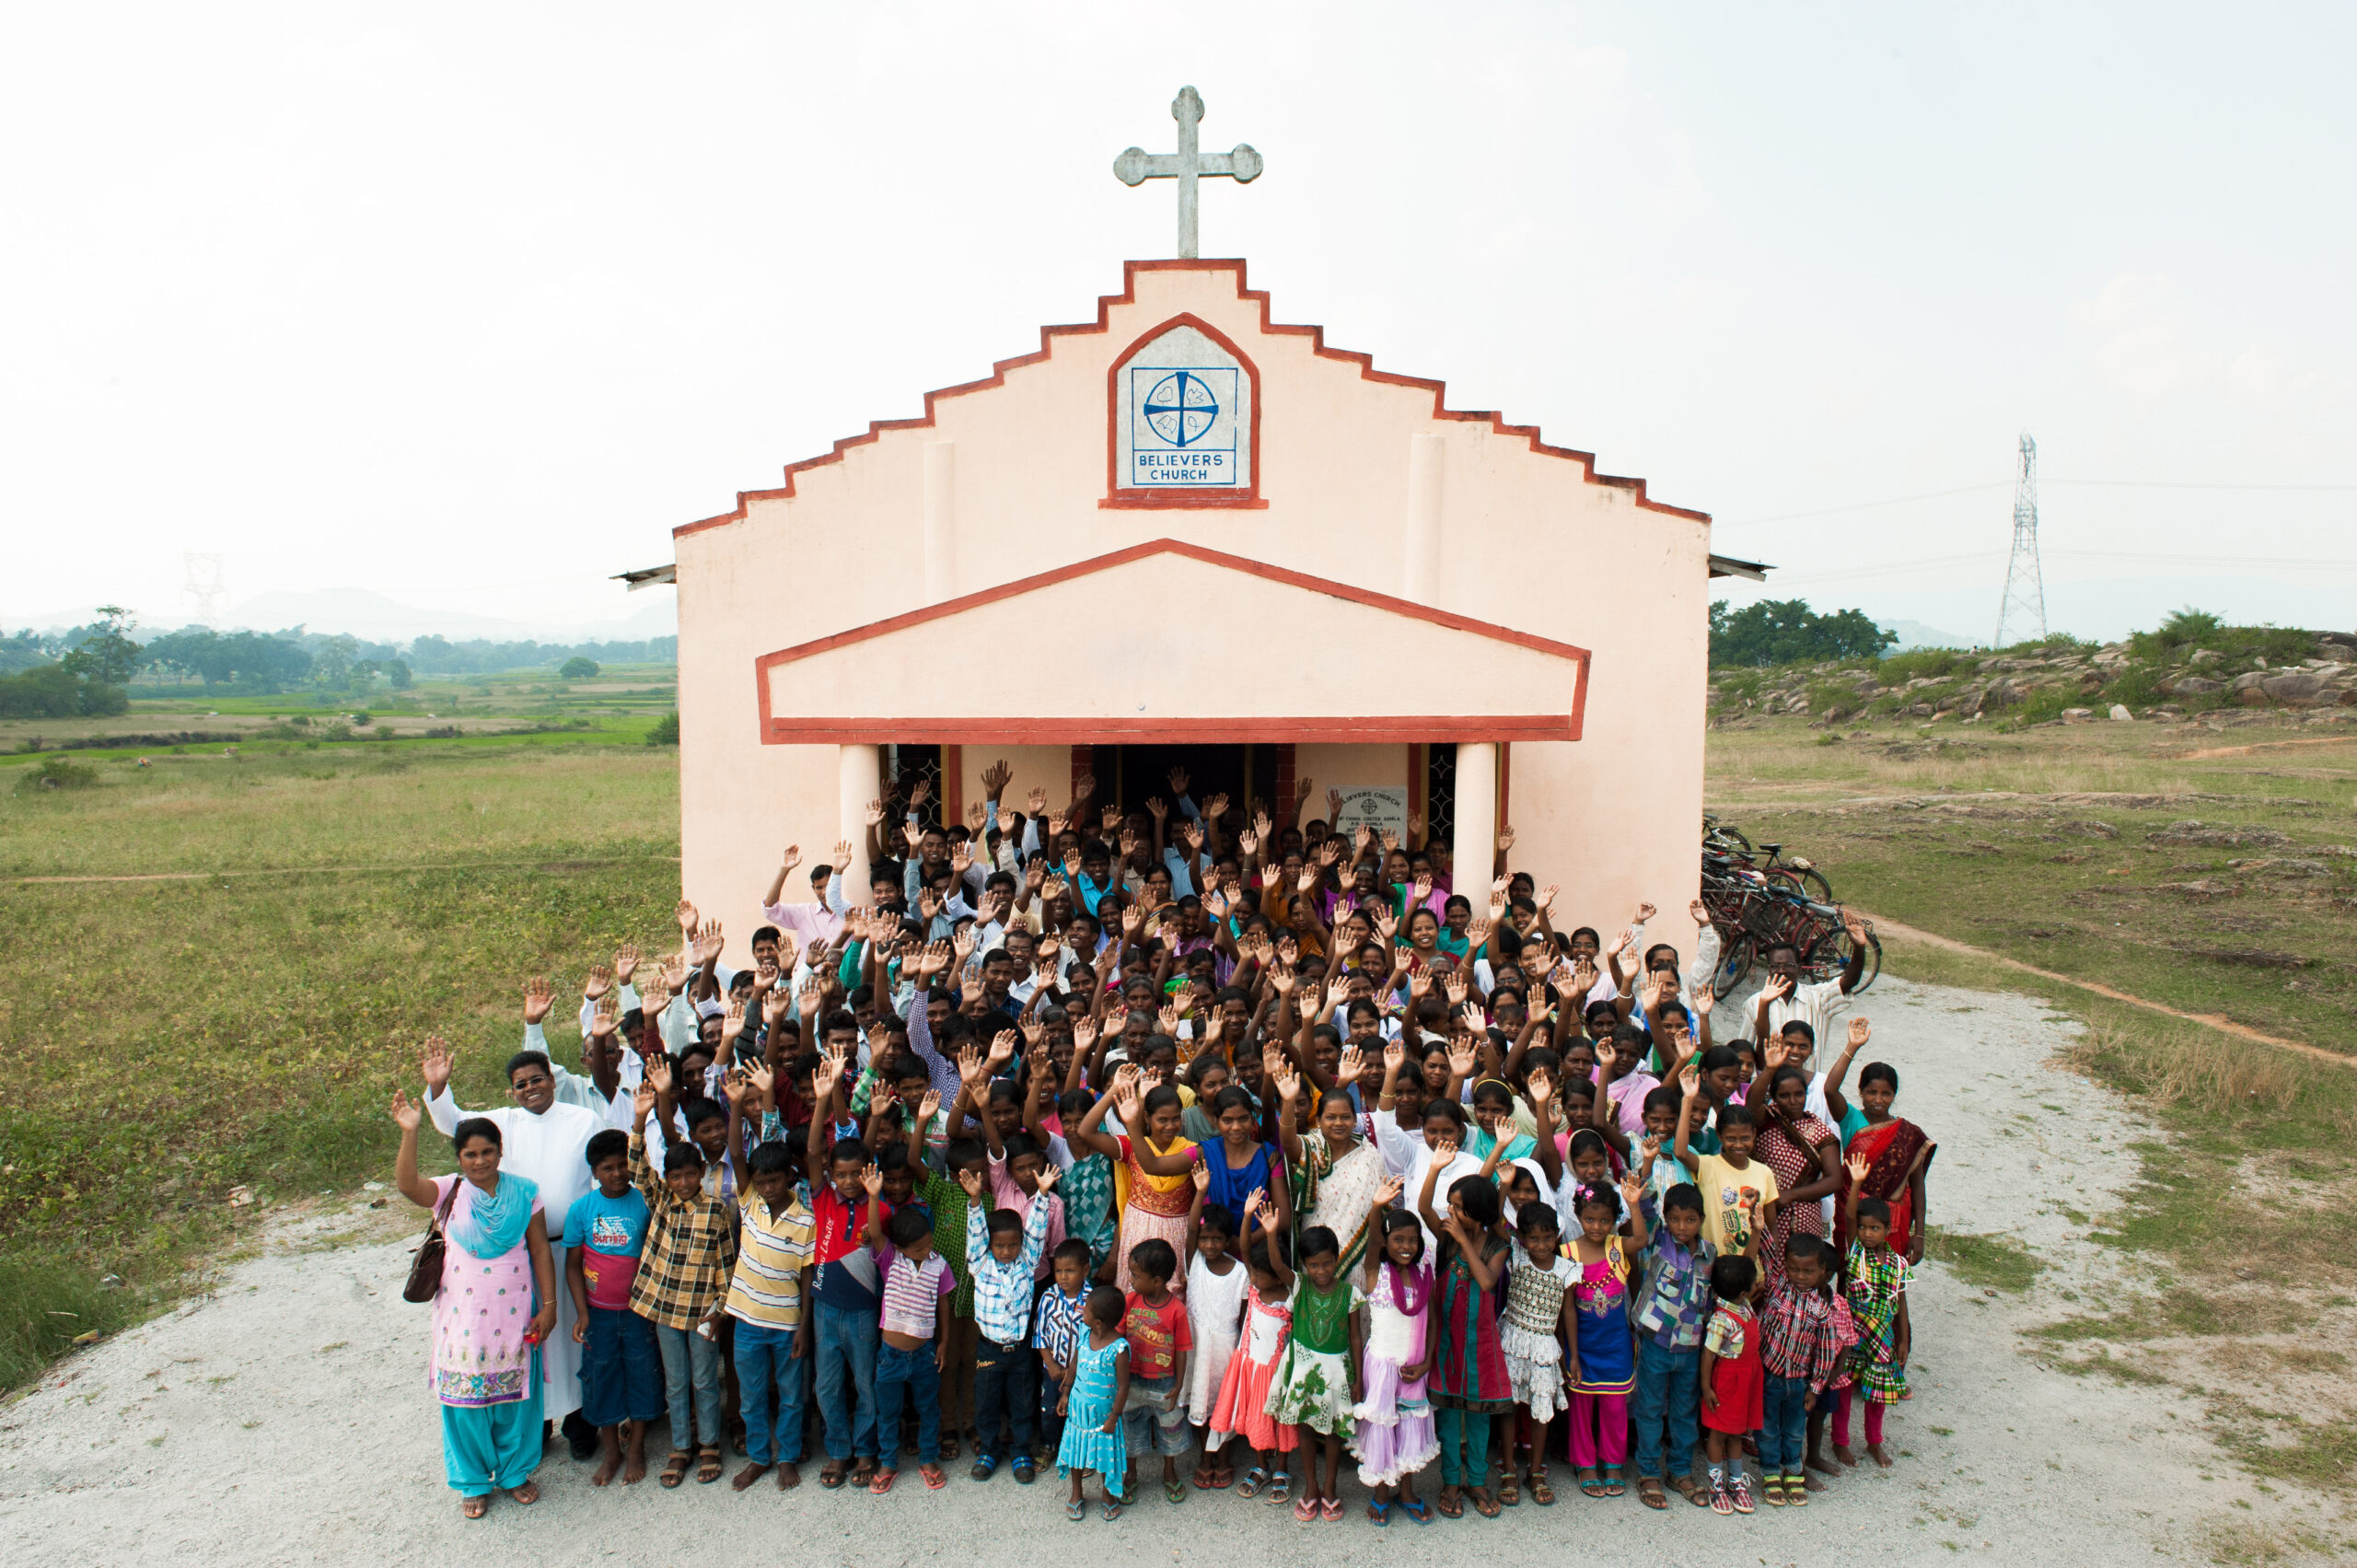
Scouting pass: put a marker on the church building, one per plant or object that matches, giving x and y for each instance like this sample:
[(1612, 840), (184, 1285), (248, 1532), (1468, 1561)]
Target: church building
[(1187, 533)]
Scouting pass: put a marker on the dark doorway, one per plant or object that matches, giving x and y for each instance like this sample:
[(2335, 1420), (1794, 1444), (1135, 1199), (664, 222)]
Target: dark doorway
[(1128, 776)]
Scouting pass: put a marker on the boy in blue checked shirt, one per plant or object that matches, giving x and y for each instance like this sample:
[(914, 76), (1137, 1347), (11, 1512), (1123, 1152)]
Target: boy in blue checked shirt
[(1056, 1329), (1004, 1257)]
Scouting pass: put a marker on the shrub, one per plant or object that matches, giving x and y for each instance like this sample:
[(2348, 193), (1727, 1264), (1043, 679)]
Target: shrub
[(56, 774), (384, 732), (666, 731), (578, 668)]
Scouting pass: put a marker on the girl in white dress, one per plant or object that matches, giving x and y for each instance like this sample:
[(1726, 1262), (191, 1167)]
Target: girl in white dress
[(1215, 1285), (1396, 1435), (1539, 1302)]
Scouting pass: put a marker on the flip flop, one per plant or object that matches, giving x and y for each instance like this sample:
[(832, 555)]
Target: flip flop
[(1379, 1514), (1485, 1506), (1448, 1510), (936, 1477), (1419, 1510), (1075, 1512), (1305, 1512), (1174, 1493), (881, 1482), (1113, 1506), (832, 1479), (1330, 1510)]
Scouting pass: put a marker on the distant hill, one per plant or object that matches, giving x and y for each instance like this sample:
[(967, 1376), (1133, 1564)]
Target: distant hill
[(1915, 634), (377, 618)]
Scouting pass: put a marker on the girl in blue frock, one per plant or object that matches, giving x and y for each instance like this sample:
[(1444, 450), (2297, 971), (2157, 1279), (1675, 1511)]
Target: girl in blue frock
[(1097, 1387)]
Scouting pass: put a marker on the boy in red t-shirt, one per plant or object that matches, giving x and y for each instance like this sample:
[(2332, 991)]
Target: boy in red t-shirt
[(1161, 1344)]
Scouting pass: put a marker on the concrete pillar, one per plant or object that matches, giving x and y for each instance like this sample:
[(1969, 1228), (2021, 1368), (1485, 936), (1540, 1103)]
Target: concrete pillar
[(859, 773), (940, 521), (1427, 462), (1474, 850)]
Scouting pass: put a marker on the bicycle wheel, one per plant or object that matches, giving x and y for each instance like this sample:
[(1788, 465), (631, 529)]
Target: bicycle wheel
[(1804, 880), (1830, 957), (1736, 956)]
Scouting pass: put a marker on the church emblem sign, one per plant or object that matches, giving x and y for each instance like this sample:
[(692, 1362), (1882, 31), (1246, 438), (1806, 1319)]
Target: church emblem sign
[(1184, 421)]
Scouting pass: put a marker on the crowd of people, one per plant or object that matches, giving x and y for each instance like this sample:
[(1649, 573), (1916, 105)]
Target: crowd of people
[(1193, 1133)]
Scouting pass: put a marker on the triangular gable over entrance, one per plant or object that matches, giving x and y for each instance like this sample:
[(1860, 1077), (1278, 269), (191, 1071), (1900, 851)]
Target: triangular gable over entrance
[(1325, 661)]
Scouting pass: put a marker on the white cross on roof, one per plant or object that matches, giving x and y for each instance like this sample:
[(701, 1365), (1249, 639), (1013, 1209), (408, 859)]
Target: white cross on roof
[(1136, 166)]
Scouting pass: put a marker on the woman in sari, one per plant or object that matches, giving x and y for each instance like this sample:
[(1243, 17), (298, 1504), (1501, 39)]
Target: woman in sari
[(1158, 1161), (1805, 1154), (1901, 1159), (1336, 1174), (494, 1308)]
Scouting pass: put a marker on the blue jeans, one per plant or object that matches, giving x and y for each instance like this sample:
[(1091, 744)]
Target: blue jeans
[(622, 1369), (848, 1341), (1668, 1404), (765, 1362), (1783, 1426), (914, 1374), (690, 1360)]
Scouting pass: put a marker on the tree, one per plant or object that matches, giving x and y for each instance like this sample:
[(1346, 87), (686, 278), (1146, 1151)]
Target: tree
[(105, 655), (578, 668), (1785, 631), (331, 666), (397, 674)]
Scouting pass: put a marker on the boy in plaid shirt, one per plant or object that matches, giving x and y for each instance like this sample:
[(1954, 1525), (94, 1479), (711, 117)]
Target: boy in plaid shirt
[(1004, 1255), (682, 1282), (1804, 1333), (1056, 1330)]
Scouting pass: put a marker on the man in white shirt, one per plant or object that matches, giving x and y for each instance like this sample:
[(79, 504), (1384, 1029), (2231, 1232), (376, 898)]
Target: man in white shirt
[(547, 1142), (1783, 998)]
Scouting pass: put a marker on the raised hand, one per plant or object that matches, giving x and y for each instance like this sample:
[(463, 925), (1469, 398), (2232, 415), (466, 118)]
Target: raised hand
[(1048, 1177), (436, 1065), (1003, 1048), (708, 941), (405, 1113), (1505, 839), (1215, 807), (1200, 1175), (1392, 1187), (928, 1106), (875, 814), (1036, 801), (1698, 913), (732, 1022), (1395, 1056), (661, 1074), (1444, 1148), (1631, 1189), (1352, 1065), (686, 914), (606, 1017), (1645, 914), (1861, 1031), (538, 997), (597, 982), (1462, 1055), (871, 1180), (1778, 986), (1858, 1166), (974, 816), (675, 972), (1546, 899), (1689, 1079)]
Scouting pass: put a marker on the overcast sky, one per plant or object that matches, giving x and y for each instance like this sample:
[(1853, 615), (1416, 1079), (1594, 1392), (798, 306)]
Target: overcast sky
[(471, 305)]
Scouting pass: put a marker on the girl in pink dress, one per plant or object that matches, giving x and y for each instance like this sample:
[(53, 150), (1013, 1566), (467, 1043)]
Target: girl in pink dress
[(1242, 1407), (1396, 1435)]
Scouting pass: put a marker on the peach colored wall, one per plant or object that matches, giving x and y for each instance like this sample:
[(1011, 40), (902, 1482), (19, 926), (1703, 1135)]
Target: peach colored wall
[(1612, 817)]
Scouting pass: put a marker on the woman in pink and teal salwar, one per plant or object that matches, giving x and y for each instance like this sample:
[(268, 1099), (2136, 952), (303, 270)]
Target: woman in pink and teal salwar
[(495, 1307)]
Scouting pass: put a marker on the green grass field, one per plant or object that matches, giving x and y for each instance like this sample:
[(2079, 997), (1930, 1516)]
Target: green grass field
[(164, 1041)]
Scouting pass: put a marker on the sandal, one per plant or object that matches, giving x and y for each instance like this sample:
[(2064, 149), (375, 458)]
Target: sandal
[(936, 1477), (1740, 1485), (1448, 1508), (1280, 1486), (1509, 1489), (1485, 1505), (1025, 1470), (1174, 1493), (949, 1445), (475, 1508), (1254, 1479), (1113, 1506), (1223, 1478), (1650, 1492), (1306, 1511), (1540, 1493), (1075, 1512), (1417, 1509), (708, 1464), (1772, 1490), (1795, 1492), (1613, 1485), (1591, 1484), (1330, 1510), (881, 1482), (1206, 1479), (674, 1469), (526, 1494), (1378, 1513), (830, 1475)]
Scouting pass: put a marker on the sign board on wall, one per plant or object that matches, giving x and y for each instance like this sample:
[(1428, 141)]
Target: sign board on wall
[(1383, 807), (1183, 420)]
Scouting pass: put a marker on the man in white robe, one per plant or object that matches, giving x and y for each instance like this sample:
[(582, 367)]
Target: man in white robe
[(546, 1142)]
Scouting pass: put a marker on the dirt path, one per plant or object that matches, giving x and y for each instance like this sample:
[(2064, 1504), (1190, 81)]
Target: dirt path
[(2214, 1021), (285, 1419), (2209, 753)]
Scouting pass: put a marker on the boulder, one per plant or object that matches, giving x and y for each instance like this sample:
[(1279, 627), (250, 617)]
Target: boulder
[(2119, 713), (2077, 715), (2300, 688), (2189, 686), (2204, 655)]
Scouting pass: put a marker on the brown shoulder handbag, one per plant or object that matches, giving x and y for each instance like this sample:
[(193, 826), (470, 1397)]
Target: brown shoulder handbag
[(425, 1259)]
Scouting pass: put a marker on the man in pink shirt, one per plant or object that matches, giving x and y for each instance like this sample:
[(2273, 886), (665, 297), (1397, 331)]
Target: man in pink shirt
[(816, 923)]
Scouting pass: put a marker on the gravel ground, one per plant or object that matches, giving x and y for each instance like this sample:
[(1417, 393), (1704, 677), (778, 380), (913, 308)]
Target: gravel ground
[(283, 1419)]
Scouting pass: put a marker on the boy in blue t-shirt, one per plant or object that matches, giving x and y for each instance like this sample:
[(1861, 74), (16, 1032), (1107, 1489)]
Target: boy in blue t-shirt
[(622, 1369)]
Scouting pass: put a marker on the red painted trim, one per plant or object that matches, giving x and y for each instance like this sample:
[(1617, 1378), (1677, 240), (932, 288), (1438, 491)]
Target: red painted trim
[(1290, 578), (1011, 731), (953, 786), (1120, 495), (1506, 781), (1128, 295), (1579, 704)]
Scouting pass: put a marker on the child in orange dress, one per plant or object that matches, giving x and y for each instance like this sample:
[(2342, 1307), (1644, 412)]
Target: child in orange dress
[(1733, 1402)]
